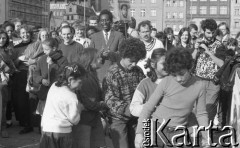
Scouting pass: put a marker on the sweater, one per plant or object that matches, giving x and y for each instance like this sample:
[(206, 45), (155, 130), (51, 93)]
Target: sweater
[(176, 104), (142, 94), (154, 44), (61, 110), (55, 69), (71, 51), (121, 84)]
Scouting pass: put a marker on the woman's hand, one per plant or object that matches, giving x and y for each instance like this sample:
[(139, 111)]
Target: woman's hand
[(139, 141), (45, 82)]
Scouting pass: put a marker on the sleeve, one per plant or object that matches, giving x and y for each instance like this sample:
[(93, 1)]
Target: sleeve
[(136, 105), (92, 43), (71, 110), (221, 53), (37, 76), (113, 97), (150, 105)]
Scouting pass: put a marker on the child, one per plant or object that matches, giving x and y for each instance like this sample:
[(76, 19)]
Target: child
[(147, 86), (89, 131), (48, 68), (62, 109)]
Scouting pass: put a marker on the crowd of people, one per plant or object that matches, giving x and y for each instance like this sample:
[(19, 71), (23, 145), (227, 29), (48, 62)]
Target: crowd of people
[(80, 83)]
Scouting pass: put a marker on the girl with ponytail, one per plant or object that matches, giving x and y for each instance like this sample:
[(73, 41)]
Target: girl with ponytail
[(147, 86), (62, 109)]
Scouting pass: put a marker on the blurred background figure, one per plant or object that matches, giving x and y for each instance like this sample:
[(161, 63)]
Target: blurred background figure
[(93, 21), (154, 32)]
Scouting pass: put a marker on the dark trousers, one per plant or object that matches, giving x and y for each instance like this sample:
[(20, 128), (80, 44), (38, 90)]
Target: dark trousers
[(225, 99), (20, 98), (123, 133), (56, 140)]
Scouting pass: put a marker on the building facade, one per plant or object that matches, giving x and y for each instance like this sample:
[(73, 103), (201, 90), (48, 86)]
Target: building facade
[(199, 10), (174, 14), (33, 12), (235, 17)]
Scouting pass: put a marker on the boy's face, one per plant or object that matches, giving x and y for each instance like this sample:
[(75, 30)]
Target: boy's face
[(128, 63), (47, 49), (79, 32), (93, 23), (182, 77)]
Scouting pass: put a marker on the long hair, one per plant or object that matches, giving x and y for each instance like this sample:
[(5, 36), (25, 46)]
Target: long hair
[(156, 56), (181, 33), (87, 57), (7, 41), (40, 32)]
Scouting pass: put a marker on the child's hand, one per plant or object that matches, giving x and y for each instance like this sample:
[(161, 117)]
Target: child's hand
[(45, 82), (49, 60)]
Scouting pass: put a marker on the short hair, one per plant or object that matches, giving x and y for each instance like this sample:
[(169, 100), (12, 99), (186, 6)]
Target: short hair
[(71, 29), (5, 25), (51, 42), (193, 26), (93, 17), (143, 24), (177, 60), (106, 12), (27, 28), (87, 56), (238, 35), (132, 48), (210, 24), (154, 29), (39, 33), (92, 28), (168, 30), (72, 70), (224, 24), (17, 20), (7, 41), (232, 42), (66, 22), (79, 27), (123, 6), (181, 33)]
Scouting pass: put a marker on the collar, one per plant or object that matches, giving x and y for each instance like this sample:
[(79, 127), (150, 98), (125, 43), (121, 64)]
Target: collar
[(109, 32), (158, 81), (121, 67)]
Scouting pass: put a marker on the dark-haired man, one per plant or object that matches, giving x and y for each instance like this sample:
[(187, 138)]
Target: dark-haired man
[(121, 80), (106, 41), (210, 58)]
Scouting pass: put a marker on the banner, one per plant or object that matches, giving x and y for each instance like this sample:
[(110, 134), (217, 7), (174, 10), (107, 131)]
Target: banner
[(235, 106)]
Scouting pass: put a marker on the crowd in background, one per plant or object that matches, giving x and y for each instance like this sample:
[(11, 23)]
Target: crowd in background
[(80, 83)]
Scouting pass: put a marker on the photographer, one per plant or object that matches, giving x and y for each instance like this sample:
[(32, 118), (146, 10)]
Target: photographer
[(210, 58)]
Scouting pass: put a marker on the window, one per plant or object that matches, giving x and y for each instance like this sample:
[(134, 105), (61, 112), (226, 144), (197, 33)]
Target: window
[(70, 9), (174, 15), (168, 3), (132, 11), (236, 11), (181, 3), (193, 0), (153, 1), (203, 0), (168, 25), (168, 15), (142, 1), (174, 3), (213, 9), (213, 0), (223, 10), (223, 0), (203, 10), (180, 15), (236, 24), (153, 13), (132, 1), (174, 27), (193, 10), (143, 12)]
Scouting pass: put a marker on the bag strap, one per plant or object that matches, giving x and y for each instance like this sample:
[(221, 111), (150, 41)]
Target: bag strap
[(48, 73)]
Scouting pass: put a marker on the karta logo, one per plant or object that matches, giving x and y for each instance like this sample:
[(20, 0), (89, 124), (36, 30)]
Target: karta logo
[(181, 135)]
